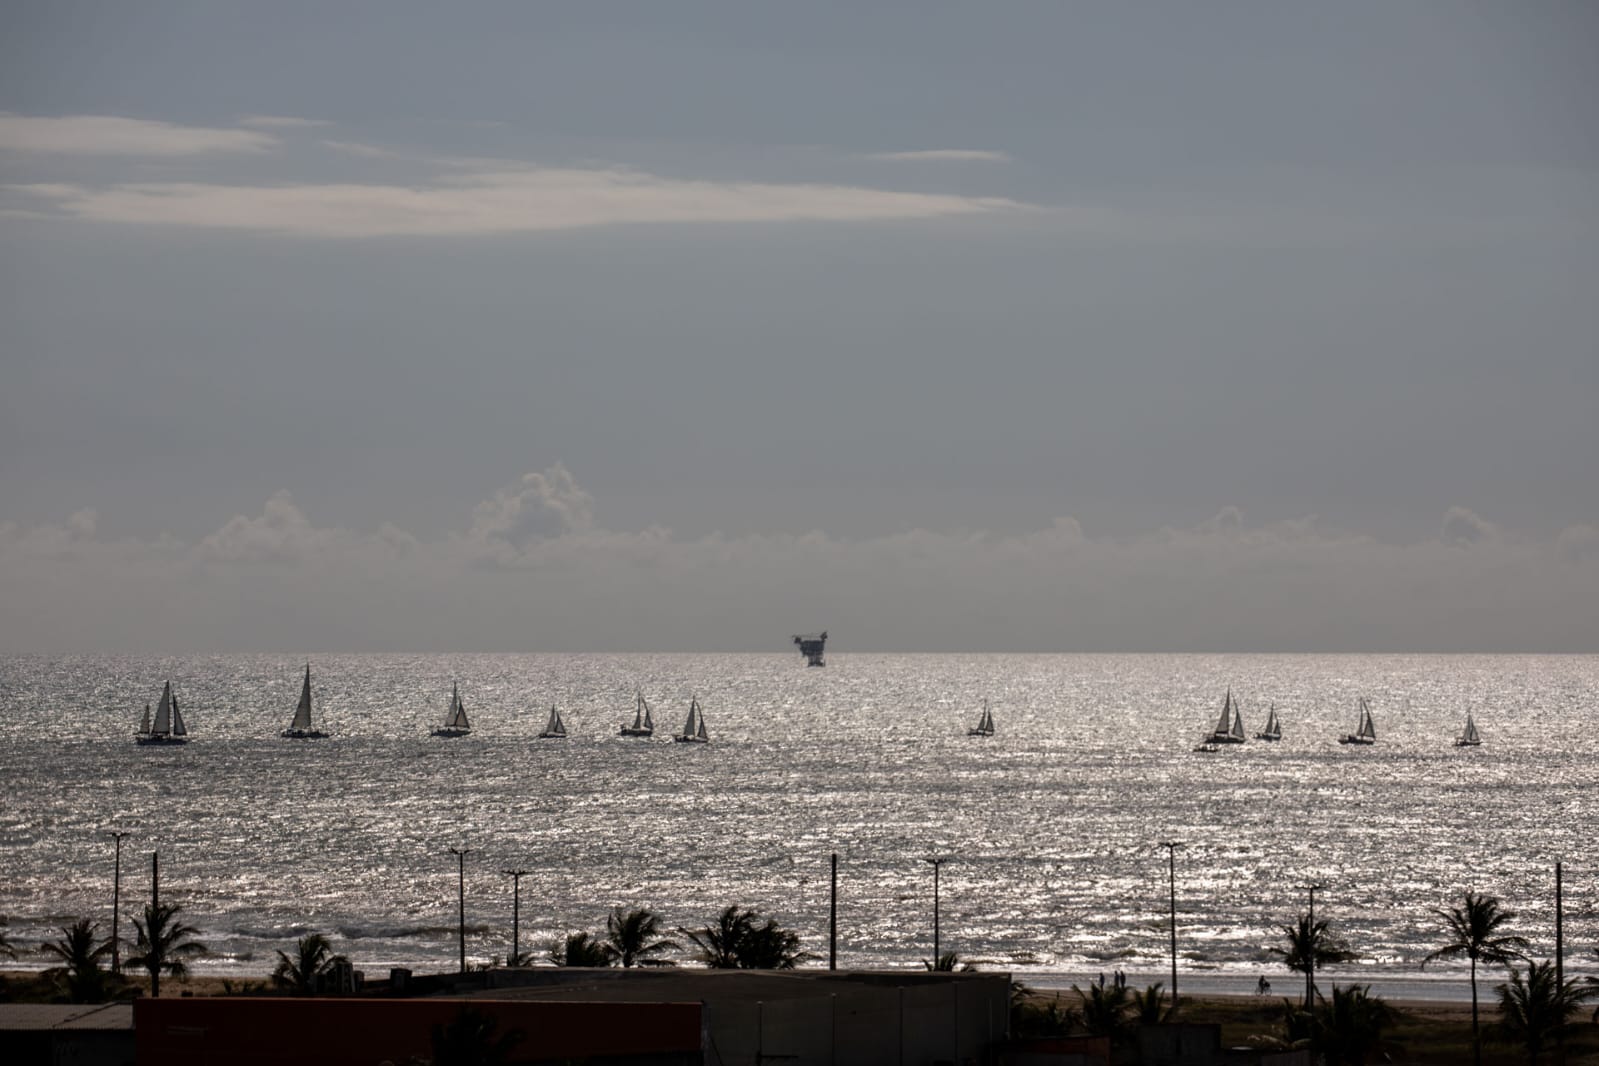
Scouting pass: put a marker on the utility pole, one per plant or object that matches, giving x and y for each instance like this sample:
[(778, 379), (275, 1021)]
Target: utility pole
[(936, 863), (460, 854), (832, 920), (1310, 963), (516, 914), (116, 904), (1171, 847), (155, 905)]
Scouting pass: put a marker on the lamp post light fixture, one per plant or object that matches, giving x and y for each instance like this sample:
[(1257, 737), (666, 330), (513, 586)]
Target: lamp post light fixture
[(116, 903), (516, 913), (1310, 962), (460, 855), (1171, 847)]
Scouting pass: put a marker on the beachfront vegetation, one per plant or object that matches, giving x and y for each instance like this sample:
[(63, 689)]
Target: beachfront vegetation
[(1105, 1008), (80, 952), (1535, 1009), (1349, 1026), (163, 943), (6, 950), (313, 961), (948, 962), (739, 940), (634, 936), (1474, 930), (1310, 946), (580, 949)]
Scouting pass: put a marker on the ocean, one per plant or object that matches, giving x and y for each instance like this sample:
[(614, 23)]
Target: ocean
[(1050, 828)]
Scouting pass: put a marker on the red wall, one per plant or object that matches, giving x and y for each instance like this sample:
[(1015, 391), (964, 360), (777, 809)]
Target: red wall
[(228, 1029)]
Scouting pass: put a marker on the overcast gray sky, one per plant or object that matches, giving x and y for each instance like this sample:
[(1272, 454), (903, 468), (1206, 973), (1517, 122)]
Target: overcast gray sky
[(1225, 326)]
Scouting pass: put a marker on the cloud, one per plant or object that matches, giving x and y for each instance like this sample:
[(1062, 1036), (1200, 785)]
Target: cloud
[(110, 135), (943, 155), (1462, 526), (283, 122), (531, 567), (493, 202)]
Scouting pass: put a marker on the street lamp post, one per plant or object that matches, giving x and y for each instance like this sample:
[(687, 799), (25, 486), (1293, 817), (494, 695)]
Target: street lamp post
[(516, 914), (116, 904), (936, 863), (1310, 962), (1171, 847), (460, 899), (832, 920)]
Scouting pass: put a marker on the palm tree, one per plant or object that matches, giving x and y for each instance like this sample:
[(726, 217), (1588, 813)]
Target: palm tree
[(635, 936), (581, 949), (949, 962), (163, 943), (1350, 1025), (1311, 946), (1106, 1009), (740, 940), (1536, 1008), (1149, 1006), (81, 956), (313, 961), (1473, 931)]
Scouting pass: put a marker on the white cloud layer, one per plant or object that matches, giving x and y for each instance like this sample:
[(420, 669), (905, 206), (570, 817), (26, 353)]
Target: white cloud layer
[(283, 122), (492, 202), (533, 570), (110, 135)]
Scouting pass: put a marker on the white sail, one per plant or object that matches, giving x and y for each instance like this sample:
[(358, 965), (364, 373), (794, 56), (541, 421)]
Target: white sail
[(302, 710), (1470, 737), (700, 732), (457, 716), (178, 729), (1368, 728), (1224, 723), (554, 727), (649, 720), (163, 712), (1237, 729), (144, 726)]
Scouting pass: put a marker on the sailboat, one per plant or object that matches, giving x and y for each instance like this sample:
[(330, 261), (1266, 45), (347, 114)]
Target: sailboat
[(694, 728), (985, 723), (168, 727), (643, 725), (1230, 726), (1470, 738), (455, 723), (1367, 733), (555, 728), (1274, 729), (301, 728)]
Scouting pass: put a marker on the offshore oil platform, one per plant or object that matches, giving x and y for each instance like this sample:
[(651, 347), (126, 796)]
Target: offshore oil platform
[(810, 646)]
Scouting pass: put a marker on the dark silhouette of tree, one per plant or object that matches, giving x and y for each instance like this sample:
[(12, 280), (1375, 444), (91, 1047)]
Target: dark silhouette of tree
[(6, 950), (740, 940), (1535, 1009), (1106, 1008), (1149, 1006), (163, 944), (313, 961), (80, 952), (470, 1041), (1349, 1026), (1311, 942), (1591, 988), (1474, 930), (581, 949), (635, 936), (949, 962)]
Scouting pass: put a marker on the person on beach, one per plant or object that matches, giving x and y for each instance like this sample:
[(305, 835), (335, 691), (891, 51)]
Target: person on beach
[(1263, 986)]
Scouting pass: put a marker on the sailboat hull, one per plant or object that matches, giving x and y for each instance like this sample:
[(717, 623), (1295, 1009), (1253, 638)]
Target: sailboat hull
[(303, 734), (692, 740), (629, 731), (1352, 738), (1268, 736), (1464, 743), (158, 740), (451, 732)]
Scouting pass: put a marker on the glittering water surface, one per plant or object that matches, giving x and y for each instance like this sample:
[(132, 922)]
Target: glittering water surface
[(1051, 826)]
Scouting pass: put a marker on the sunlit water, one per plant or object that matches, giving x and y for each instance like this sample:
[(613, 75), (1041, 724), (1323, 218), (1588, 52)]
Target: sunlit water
[(1051, 826)]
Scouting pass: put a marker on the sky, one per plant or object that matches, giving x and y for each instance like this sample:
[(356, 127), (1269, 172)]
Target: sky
[(686, 327)]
